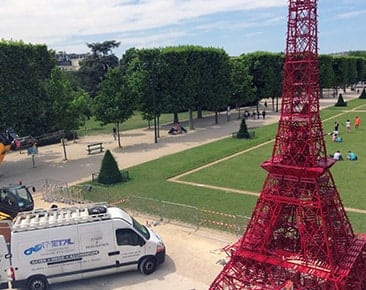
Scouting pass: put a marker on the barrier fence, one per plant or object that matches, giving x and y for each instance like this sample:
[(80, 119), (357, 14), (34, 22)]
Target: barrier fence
[(166, 211), (185, 214)]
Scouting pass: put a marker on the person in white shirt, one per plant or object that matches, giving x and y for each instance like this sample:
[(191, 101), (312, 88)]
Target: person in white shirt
[(348, 125), (337, 155)]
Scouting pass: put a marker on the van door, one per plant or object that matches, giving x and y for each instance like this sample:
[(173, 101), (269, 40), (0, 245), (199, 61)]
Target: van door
[(130, 247), (4, 263), (97, 248)]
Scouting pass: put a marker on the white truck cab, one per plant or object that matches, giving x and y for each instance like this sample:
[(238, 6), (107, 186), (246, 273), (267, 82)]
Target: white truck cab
[(57, 245)]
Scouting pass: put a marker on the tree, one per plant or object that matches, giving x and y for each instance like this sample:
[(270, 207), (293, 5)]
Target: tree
[(178, 99), (243, 92), (340, 69), (216, 80), (243, 131), (113, 102), (94, 67), (23, 102), (103, 48), (66, 104), (341, 102), (151, 76), (267, 70), (326, 73), (109, 172), (363, 94)]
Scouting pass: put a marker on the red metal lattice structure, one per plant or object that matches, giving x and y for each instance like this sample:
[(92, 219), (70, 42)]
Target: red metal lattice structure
[(299, 232)]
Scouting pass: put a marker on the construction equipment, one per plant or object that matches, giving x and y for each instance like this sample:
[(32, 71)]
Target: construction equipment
[(299, 230), (5, 145), (15, 198)]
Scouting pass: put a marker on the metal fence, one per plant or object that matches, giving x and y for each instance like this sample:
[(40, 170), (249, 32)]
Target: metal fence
[(58, 191), (52, 190), (185, 214)]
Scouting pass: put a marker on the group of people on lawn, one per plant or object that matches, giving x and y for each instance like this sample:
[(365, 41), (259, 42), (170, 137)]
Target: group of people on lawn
[(336, 138)]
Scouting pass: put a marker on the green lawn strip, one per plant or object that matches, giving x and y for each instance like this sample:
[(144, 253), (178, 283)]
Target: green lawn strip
[(150, 180), (93, 127), (242, 172), (358, 222)]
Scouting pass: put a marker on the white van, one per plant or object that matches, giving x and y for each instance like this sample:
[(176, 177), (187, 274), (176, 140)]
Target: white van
[(57, 245)]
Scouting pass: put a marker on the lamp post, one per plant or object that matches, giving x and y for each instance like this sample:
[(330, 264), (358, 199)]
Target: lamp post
[(154, 112)]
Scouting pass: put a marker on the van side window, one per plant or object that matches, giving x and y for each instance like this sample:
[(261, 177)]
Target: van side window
[(128, 237)]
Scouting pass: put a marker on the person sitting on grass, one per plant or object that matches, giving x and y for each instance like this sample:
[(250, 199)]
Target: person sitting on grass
[(351, 156), (336, 138), (337, 155)]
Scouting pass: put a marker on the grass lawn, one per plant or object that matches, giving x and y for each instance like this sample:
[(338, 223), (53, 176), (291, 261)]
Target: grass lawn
[(243, 172), (93, 127)]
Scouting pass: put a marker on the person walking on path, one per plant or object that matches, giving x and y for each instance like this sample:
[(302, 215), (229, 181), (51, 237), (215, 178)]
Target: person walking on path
[(357, 122), (264, 114), (114, 133), (228, 113)]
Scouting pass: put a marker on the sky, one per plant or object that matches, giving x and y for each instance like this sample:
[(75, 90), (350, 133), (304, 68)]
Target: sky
[(237, 26)]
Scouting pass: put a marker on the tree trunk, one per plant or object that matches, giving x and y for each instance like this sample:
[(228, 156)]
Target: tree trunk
[(190, 113), (118, 135), (175, 118), (63, 144), (199, 113), (158, 125)]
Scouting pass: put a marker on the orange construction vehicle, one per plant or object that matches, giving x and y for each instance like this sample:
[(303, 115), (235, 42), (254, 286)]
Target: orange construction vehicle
[(5, 144)]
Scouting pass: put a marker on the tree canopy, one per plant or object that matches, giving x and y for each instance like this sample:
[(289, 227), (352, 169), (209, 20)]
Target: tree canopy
[(36, 98)]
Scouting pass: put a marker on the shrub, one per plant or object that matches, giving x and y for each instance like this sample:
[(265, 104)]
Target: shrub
[(363, 94), (341, 102), (243, 131), (109, 172)]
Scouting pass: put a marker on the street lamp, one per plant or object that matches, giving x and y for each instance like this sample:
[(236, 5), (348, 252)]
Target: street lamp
[(154, 112)]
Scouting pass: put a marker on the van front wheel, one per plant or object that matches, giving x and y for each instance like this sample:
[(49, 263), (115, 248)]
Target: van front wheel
[(147, 265), (37, 283)]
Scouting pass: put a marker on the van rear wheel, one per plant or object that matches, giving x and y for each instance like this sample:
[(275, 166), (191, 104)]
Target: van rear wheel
[(147, 265), (37, 283)]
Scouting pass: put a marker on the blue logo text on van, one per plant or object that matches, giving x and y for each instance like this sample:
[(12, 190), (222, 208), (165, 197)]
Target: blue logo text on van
[(44, 245)]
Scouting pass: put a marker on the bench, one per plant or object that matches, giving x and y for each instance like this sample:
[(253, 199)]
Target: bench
[(95, 147)]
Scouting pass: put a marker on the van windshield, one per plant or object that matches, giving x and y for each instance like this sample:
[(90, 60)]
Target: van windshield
[(141, 229)]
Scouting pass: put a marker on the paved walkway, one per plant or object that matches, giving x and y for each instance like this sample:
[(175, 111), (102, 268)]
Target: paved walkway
[(137, 147)]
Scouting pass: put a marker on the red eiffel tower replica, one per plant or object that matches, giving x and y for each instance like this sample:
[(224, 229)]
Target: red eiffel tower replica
[(299, 233)]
